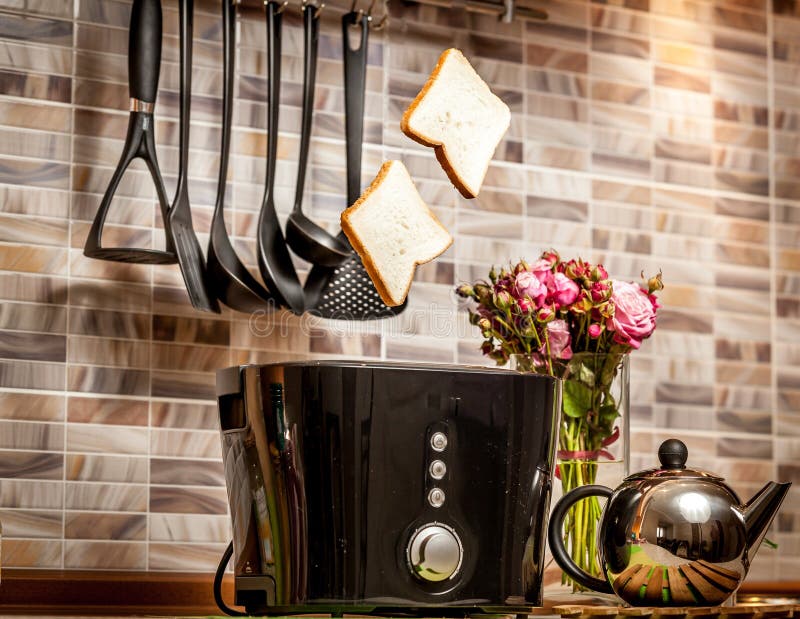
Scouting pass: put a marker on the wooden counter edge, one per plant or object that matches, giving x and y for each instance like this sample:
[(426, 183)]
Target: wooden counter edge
[(99, 592), (28, 591)]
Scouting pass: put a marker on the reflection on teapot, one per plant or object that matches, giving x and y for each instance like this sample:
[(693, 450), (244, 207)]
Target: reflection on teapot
[(671, 536)]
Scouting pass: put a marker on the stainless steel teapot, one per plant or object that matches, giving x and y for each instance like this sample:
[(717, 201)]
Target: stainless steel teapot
[(671, 536)]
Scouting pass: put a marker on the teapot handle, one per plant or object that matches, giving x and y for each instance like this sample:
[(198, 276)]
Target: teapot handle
[(556, 541)]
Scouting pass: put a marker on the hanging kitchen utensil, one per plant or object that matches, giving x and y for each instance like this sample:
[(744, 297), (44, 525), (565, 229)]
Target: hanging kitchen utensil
[(229, 279), (346, 291), (144, 65), (307, 239), (274, 260), (178, 224)]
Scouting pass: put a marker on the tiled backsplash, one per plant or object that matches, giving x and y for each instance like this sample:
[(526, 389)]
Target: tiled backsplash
[(660, 134)]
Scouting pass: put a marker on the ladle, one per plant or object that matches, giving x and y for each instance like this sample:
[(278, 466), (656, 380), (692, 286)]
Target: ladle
[(306, 238), (229, 279)]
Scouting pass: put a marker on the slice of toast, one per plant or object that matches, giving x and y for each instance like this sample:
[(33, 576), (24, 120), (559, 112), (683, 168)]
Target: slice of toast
[(464, 121), (393, 230)]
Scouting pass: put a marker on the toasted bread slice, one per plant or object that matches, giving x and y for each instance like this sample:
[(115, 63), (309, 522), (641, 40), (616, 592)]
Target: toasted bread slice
[(393, 230), (464, 121)]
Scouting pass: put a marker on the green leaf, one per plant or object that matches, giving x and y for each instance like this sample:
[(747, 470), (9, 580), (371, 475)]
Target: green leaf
[(608, 413), (577, 399)]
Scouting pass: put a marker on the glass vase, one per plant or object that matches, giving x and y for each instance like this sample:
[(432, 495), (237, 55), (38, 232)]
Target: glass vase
[(593, 439)]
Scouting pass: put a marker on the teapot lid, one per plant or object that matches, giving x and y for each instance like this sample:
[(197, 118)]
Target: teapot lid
[(673, 455)]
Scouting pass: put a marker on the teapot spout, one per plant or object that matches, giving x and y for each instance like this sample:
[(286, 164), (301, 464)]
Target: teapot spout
[(758, 513)]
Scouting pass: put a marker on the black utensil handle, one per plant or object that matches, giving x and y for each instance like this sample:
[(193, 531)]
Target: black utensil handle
[(556, 542), (274, 19), (144, 50), (228, 77), (310, 46), (186, 34), (355, 80)]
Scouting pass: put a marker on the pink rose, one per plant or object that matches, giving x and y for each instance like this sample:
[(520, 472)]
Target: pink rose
[(595, 330), (543, 269), (527, 284), (559, 338), (565, 291), (634, 316)]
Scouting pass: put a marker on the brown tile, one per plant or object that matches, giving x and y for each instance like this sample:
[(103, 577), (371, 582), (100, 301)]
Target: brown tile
[(620, 93), (31, 406), (186, 472), (23, 287), (623, 21), (109, 324), (671, 78), (184, 556), (90, 467), (31, 317), (180, 415), (189, 528), (615, 44), (192, 330), (30, 553), (32, 346), (27, 524), (683, 151), (188, 500), (189, 358), (678, 393), (31, 86), (185, 443), (105, 555), (107, 411), (752, 115), (96, 525), (740, 20), (108, 380), (32, 375), (126, 353), (189, 385), (31, 465), (30, 259), (554, 58), (106, 497), (33, 436)]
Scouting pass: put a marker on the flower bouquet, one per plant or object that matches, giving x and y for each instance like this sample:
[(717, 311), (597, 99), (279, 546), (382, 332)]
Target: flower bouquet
[(570, 320)]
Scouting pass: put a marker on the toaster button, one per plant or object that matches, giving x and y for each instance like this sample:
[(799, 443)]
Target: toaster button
[(435, 553), (439, 441), (437, 469), (436, 497)]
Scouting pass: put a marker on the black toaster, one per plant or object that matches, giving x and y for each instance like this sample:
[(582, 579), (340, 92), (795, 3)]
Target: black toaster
[(383, 487)]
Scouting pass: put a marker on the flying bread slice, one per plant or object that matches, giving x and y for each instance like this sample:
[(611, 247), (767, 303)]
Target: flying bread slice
[(464, 121), (393, 230)]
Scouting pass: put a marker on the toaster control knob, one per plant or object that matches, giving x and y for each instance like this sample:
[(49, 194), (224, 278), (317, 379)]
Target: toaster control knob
[(439, 441), (435, 553)]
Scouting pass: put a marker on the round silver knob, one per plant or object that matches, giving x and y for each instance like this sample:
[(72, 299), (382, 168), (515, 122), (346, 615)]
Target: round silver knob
[(434, 553), (439, 441), (437, 469), (436, 497)]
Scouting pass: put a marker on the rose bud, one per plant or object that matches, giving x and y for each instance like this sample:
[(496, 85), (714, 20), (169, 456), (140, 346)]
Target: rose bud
[(551, 256), (483, 293), (595, 330), (526, 304), (484, 324), (583, 304), (545, 314), (465, 291), (600, 292), (486, 347), (655, 283), (503, 300), (599, 273), (493, 275)]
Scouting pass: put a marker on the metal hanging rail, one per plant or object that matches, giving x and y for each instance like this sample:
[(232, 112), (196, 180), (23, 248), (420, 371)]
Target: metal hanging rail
[(505, 11)]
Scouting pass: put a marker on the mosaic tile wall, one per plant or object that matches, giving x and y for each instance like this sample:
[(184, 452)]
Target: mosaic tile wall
[(646, 134)]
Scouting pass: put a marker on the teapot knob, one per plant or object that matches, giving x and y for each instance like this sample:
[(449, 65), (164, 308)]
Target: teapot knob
[(673, 454)]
